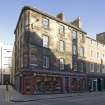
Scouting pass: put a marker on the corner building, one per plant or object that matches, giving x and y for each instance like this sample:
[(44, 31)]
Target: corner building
[(47, 52)]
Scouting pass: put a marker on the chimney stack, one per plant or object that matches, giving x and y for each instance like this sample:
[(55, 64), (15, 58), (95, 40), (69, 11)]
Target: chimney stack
[(77, 22), (61, 16)]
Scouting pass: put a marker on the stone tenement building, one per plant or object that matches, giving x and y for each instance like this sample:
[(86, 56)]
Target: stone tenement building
[(53, 56)]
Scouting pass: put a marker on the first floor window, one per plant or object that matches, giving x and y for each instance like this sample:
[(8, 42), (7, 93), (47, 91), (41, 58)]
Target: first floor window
[(62, 46), (61, 64), (45, 41), (81, 68), (74, 50), (45, 62), (75, 66), (82, 52), (98, 68), (92, 68), (103, 69)]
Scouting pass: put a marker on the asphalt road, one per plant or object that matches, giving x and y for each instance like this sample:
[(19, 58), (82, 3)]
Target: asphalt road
[(76, 100), (97, 98)]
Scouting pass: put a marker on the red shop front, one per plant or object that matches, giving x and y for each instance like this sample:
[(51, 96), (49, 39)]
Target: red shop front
[(40, 84)]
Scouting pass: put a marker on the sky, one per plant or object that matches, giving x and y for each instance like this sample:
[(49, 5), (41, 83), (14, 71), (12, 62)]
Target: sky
[(91, 12)]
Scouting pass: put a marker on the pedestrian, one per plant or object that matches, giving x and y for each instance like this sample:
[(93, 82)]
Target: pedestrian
[(89, 88), (6, 85)]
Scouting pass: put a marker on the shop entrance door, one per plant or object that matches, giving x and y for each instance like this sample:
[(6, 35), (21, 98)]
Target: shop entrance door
[(67, 84), (99, 84), (94, 85)]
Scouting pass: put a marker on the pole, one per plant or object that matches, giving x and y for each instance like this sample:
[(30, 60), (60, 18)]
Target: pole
[(1, 65)]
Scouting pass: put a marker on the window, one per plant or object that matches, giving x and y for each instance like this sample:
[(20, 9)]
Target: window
[(45, 23), (74, 50), (61, 29), (45, 62), (74, 35), (45, 41), (75, 66), (97, 43), (103, 69), (91, 53), (103, 56), (91, 41), (81, 68), (62, 46), (82, 52), (98, 68), (61, 64), (91, 67), (83, 37), (97, 54)]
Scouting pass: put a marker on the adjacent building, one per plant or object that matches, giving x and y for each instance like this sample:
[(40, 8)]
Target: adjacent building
[(5, 62), (53, 56)]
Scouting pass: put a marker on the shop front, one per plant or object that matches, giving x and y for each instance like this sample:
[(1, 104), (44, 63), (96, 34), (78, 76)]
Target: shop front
[(96, 83), (92, 84), (78, 84), (48, 84), (42, 83)]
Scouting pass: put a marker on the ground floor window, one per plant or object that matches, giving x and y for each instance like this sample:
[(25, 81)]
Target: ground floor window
[(48, 84), (78, 84)]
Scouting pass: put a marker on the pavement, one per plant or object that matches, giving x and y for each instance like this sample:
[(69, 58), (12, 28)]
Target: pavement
[(18, 97), (12, 97)]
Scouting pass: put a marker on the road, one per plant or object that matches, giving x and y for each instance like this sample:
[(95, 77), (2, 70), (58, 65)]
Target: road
[(93, 98)]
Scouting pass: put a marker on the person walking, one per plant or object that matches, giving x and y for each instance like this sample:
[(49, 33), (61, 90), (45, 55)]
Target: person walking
[(6, 85)]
